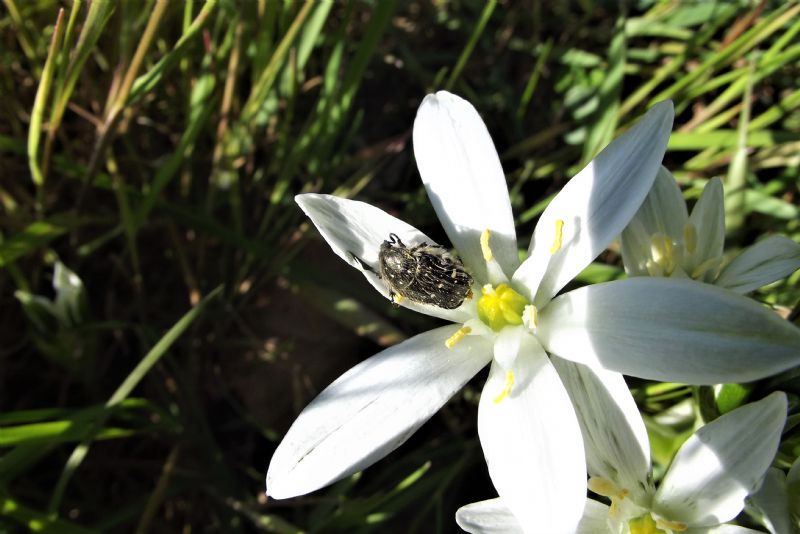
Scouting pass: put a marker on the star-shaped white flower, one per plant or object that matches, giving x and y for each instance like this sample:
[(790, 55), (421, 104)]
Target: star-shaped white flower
[(664, 240), (662, 329), (704, 487)]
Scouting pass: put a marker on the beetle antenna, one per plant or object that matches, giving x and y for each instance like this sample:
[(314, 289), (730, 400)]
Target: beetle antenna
[(395, 240)]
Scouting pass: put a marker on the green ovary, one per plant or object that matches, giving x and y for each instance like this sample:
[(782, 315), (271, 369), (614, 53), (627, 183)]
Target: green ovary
[(501, 306)]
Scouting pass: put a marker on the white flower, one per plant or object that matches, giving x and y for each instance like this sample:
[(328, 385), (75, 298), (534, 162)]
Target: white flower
[(705, 486), (527, 426), (778, 499), (663, 240)]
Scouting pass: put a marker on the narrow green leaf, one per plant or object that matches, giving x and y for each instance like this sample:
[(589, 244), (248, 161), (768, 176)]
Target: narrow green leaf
[(124, 389), (42, 92)]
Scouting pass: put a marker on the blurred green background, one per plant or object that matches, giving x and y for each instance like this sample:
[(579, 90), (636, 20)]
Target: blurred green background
[(167, 310)]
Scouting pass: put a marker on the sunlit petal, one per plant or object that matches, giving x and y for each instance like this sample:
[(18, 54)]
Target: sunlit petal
[(487, 517), (768, 260), (595, 206), (532, 443), (372, 409), (465, 181), (595, 519), (617, 446), (355, 231), (669, 330), (721, 463), (493, 517)]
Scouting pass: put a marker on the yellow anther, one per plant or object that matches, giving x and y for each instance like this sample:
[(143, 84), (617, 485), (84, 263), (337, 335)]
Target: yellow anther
[(662, 253), (395, 298), (675, 526), (690, 237), (506, 389), (644, 525), (559, 236), (487, 251), (530, 316), (458, 336), (501, 306), (606, 488)]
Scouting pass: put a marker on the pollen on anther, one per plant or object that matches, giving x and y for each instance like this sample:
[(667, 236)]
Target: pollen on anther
[(506, 389), (485, 248), (559, 236), (458, 336)]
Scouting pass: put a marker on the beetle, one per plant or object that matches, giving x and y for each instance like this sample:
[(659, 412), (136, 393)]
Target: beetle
[(424, 273)]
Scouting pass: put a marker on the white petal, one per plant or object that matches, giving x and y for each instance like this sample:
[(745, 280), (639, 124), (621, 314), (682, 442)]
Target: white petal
[(354, 228), (493, 517), (664, 212), (487, 517), (773, 501), (708, 217), (465, 181), (669, 330), (766, 261), (617, 446), (595, 206), (721, 463), (371, 410), (595, 519), (532, 443)]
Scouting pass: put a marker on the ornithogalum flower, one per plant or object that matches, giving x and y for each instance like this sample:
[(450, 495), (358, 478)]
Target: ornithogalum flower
[(654, 328), (704, 487), (777, 501), (664, 240)]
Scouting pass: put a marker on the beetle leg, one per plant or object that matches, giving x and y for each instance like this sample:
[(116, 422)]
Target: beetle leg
[(363, 265), (394, 240)]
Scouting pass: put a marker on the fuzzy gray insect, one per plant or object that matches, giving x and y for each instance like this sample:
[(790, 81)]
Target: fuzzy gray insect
[(423, 273)]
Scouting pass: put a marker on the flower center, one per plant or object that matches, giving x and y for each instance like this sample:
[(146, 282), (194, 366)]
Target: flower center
[(501, 306), (644, 525), (674, 256)]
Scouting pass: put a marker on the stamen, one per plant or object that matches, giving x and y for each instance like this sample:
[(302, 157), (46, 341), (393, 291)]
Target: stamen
[(675, 526), (458, 336), (506, 389), (605, 487), (530, 317), (559, 236), (661, 250), (395, 298), (487, 251)]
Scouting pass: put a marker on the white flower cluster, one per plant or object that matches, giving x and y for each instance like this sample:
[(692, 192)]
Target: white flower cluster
[(555, 406)]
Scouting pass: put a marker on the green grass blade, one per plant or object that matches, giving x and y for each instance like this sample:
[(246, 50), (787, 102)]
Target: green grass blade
[(42, 92), (125, 389), (488, 9)]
